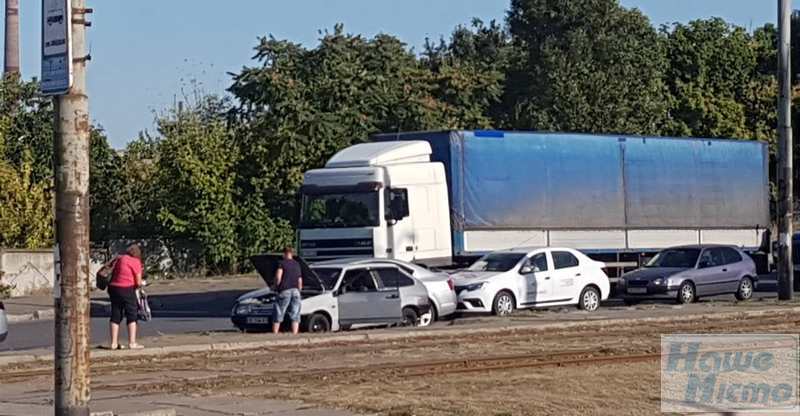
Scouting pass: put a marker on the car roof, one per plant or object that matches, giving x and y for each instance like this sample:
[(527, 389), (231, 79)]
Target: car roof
[(702, 246), (357, 261), (527, 250)]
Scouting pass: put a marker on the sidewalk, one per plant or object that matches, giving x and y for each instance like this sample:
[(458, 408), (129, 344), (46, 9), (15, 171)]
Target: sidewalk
[(29, 399), (40, 306)]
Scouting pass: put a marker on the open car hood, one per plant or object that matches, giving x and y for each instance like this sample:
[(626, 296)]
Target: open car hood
[(267, 264)]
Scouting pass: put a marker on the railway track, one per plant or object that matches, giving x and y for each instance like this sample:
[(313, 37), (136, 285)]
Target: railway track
[(249, 359)]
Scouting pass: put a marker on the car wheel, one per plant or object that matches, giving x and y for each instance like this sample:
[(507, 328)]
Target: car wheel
[(745, 291), (410, 317), (318, 323), (590, 299), (503, 303), (686, 293)]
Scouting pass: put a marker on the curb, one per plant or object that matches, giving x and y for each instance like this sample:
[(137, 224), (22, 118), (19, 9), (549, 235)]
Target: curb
[(41, 314), (46, 314), (389, 336)]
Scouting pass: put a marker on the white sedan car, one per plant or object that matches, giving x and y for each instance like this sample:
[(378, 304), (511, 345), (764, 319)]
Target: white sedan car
[(502, 281)]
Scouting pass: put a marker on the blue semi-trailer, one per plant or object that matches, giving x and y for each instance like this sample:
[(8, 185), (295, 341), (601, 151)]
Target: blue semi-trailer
[(442, 196)]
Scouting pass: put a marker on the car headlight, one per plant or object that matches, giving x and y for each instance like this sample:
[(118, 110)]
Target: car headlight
[(242, 309), (659, 281), (475, 286)]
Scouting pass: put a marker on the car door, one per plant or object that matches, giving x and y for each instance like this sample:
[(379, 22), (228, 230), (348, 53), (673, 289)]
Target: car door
[(390, 281), (732, 269), (538, 283), (402, 231), (710, 276), (566, 276), (362, 300)]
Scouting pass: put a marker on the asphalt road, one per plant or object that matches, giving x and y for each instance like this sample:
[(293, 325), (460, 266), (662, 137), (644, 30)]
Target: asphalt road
[(173, 313), (193, 313), (39, 334)]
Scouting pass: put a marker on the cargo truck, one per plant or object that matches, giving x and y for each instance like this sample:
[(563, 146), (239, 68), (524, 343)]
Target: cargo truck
[(446, 197)]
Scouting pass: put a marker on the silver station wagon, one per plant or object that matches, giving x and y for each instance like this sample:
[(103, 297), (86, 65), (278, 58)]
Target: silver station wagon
[(688, 272), (336, 295)]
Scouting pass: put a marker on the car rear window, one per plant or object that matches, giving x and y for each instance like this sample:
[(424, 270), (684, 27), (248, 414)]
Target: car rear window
[(731, 255), (564, 259)]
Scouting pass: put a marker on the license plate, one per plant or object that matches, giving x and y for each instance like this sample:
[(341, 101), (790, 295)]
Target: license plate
[(258, 320), (638, 290)]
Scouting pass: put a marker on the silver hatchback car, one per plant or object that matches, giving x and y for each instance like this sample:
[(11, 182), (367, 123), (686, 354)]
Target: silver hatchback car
[(441, 288), (338, 295), (688, 272)]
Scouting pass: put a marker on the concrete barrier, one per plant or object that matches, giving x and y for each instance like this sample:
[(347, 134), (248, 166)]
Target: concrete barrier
[(26, 270)]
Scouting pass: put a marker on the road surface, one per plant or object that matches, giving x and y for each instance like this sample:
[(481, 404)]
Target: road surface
[(39, 334)]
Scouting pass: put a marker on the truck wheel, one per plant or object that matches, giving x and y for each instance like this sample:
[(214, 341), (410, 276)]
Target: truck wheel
[(686, 293), (745, 290), (503, 303), (318, 323), (589, 300), (410, 317)]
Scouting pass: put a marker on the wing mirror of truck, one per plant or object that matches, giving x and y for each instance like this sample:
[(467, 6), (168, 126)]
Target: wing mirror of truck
[(398, 205)]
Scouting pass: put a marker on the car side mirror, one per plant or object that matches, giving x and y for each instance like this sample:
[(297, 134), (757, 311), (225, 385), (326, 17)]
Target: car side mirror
[(527, 269), (703, 264)]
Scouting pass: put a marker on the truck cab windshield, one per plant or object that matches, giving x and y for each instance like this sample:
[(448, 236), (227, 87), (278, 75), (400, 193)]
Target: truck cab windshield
[(340, 210), (497, 262)]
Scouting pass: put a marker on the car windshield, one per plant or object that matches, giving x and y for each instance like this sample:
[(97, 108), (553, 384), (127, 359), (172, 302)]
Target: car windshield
[(328, 276), (675, 257), (497, 262), (340, 210)]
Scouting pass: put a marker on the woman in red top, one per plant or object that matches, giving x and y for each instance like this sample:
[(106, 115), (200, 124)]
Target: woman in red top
[(127, 276)]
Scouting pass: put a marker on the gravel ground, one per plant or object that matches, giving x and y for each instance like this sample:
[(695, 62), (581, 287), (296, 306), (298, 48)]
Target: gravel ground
[(588, 369)]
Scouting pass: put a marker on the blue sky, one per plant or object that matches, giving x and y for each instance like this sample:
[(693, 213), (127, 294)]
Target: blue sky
[(146, 52)]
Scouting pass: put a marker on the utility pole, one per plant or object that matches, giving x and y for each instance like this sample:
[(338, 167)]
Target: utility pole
[(785, 185), (11, 56), (72, 127)]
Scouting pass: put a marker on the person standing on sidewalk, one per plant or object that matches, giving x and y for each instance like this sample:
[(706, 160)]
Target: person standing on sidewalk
[(288, 284), (126, 278)]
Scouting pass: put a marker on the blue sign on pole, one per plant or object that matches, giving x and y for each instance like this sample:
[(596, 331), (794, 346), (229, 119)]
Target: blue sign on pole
[(56, 47)]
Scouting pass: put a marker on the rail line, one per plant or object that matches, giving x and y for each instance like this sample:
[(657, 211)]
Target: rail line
[(250, 358)]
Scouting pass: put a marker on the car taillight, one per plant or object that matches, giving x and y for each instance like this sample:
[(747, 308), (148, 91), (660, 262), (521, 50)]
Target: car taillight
[(452, 284)]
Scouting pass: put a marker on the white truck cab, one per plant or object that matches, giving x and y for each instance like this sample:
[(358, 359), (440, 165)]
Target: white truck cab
[(384, 200)]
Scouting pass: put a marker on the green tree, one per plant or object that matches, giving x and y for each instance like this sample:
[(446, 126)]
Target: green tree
[(26, 213), (713, 73), (590, 66), (196, 185), (468, 73)]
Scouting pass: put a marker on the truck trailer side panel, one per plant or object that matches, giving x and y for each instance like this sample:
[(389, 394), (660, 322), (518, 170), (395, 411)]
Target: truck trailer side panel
[(599, 192)]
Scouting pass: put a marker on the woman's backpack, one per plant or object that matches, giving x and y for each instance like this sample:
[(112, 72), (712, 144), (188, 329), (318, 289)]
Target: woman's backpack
[(105, 274)]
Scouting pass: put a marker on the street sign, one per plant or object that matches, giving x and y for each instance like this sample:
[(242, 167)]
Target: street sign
[(56, 47)]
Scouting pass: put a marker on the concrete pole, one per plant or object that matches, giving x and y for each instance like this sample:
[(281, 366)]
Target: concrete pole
[(72, 323), (11, 55), (785, 185)]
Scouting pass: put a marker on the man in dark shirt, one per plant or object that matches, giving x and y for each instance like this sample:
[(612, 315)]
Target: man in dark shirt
[(288, 284)]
